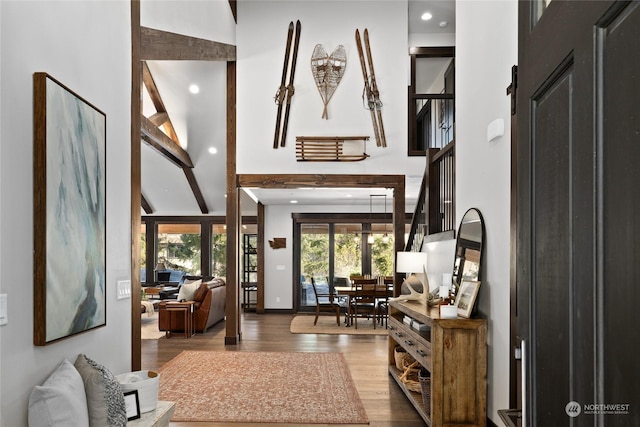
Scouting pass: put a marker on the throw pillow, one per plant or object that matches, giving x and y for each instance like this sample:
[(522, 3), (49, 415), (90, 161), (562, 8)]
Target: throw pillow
[(188, 290), (60, 400), (105, 399), (201, 292)]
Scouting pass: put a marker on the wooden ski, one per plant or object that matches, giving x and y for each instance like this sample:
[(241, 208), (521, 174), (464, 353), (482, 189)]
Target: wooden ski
[(290, 88), (281, 93), (367, 94), (374, 89)]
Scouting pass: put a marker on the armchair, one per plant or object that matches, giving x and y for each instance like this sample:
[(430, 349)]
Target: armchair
[(209, 308)]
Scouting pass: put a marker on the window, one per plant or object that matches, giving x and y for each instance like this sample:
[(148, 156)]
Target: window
[(192, 245), (143, 252), (431, 98), (329, 248), (178, 246), (219, 250)]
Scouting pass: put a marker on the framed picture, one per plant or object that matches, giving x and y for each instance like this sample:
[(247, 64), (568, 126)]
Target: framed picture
[(132, 404), (466, 297), (69, 212)]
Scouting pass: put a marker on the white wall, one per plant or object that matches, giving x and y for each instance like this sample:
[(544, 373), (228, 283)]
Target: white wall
[(432, 39), (86, 46), (261, 36), (486, 48)]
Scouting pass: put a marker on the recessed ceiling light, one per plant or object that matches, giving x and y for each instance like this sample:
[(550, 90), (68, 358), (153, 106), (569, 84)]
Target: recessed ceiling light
[(194, 89), (213, 150), (443, 24), (349, 195), (293, 202), (426, 16)]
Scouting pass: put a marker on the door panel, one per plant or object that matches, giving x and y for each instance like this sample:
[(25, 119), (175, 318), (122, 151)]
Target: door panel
[(551, 141), (620, 153), (577, 145)]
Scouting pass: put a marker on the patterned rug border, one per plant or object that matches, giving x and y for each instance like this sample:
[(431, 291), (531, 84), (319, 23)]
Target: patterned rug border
[(207, 387), (303, 324)]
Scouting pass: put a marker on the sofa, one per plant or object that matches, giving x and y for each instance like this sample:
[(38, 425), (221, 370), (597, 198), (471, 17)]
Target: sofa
[(209, 308)]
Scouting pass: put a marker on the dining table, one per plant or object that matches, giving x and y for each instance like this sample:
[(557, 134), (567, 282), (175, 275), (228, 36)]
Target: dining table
[(349, 291)]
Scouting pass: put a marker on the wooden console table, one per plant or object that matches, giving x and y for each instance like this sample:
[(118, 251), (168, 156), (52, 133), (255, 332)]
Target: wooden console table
[(454, 351)]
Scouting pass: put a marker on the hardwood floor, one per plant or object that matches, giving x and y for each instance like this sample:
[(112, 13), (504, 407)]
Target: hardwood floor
[(366, 355)]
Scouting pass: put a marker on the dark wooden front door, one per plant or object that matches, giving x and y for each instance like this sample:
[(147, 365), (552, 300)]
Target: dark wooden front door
[(578, 208)]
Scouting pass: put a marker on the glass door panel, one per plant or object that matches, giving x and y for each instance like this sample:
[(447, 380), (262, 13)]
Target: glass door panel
[(347, 249), (381, 251), (143, 252), (314, 262)]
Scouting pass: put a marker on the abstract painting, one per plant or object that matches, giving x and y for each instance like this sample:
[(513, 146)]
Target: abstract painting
[(69, 212)]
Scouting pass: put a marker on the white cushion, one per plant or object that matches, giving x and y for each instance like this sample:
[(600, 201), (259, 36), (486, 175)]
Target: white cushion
[(188, 290), (60, 401)]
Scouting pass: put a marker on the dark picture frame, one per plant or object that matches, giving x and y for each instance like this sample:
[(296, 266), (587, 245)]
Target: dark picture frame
[(69, 212), (132, 404)]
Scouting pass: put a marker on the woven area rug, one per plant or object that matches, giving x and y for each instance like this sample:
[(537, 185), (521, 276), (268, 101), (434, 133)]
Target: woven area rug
[(303, 324), (261, 387)]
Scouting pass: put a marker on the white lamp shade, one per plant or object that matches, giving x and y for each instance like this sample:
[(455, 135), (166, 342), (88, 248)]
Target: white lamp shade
[(411, 262)]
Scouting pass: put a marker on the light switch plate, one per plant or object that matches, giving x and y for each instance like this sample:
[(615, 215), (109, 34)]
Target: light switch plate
[(4, 316), (124, 289)]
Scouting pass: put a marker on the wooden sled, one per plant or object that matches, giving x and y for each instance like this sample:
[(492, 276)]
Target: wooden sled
[(330, 149)]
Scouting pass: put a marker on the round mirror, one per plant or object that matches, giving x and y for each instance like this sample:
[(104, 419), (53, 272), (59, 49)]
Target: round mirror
[(469, 242)]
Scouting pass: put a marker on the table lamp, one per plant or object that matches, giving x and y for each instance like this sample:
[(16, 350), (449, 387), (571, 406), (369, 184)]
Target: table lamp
[(159, 267), (413, 263)]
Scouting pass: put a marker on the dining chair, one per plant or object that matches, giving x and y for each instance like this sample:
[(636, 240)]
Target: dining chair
[(363, 302), (326, 302), (382, 308)]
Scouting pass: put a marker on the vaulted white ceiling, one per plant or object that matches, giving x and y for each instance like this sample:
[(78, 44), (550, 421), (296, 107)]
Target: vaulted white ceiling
[(200, 119)]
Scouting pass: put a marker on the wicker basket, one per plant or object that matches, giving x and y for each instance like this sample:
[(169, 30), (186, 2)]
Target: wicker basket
[(425, 384), (402, 358), (146, 383)]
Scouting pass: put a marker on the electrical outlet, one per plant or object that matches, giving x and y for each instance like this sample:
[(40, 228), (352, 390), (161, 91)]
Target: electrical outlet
[(124, 289), (277, 299)]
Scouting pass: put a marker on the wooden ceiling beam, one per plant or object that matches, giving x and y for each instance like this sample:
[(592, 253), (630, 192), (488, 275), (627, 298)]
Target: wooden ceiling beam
[(159, 119), (153, 136), (154, 94), (311, 181), (167, 143), (163, 45), (188, 172), (233, 4), (146, 206)]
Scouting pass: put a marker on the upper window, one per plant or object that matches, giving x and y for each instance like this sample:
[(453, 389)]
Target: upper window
[(431, 99)]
